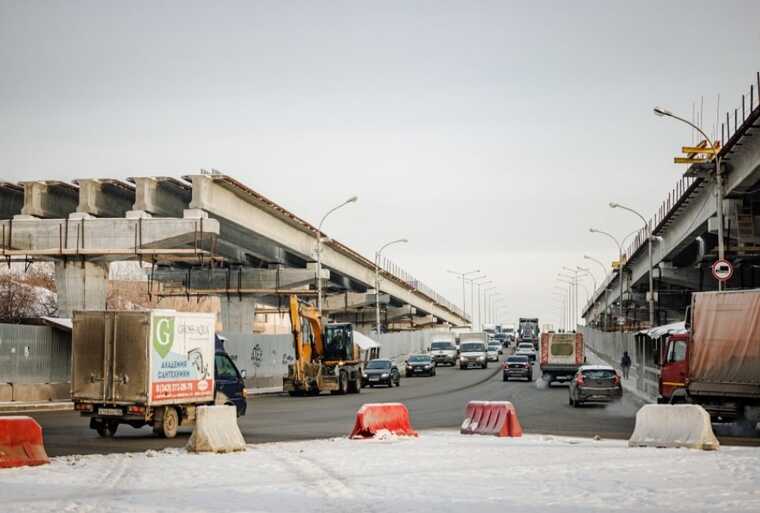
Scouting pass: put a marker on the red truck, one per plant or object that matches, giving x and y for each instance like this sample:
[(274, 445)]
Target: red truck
[(716, 362)]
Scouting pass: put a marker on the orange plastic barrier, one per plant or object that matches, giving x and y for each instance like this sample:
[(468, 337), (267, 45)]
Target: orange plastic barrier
[(373, 417), (498, 418), (21, 442)]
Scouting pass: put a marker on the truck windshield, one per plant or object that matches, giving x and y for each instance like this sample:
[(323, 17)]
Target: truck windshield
[(562, 349), (442, 345), (471, 347)]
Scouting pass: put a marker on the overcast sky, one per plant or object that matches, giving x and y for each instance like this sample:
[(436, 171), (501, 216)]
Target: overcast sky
[(490, 134)]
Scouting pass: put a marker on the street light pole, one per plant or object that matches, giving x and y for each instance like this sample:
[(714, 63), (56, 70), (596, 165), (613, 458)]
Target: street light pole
[(651, 264), (718, 179), (352, 199), (480, 314), (485, 302), (620, 267), (378, 254), (462, 276)]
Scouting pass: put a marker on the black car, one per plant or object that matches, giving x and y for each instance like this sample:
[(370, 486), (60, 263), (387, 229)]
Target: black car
[(517, 367), (420, 365), (595, 383), (381, 372)]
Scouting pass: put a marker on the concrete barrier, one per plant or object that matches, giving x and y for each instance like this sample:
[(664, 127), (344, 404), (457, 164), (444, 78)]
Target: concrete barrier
[(374, 417), (676, 425), (21, 442), (216, 430), (496, 418), (6, 392)]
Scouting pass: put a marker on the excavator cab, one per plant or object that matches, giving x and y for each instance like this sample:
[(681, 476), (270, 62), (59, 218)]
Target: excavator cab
[(339, 342)]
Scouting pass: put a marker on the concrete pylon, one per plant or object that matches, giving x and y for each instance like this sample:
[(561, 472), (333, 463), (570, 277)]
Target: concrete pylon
[(80, 286)]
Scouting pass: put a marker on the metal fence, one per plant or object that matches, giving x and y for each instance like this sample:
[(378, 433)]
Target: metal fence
[(34, 354)]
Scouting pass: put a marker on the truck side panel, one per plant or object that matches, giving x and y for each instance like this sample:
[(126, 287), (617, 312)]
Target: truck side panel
[(181, 348), (725, 345)]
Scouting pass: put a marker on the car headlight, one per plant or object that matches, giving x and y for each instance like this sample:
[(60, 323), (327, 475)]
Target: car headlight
[(481, 357), (364, 374), (385, 375), (428, 366)]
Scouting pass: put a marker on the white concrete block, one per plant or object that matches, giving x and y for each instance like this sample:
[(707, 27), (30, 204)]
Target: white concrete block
[(673, 425)]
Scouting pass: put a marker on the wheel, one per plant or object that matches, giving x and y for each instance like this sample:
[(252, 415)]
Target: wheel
[(530, 377), (354, 386), (485, 365), (433, 373), (342, 383), (107, 429), (408, 375), (570, 400), (461, 366), (505, 378), (167, 426)]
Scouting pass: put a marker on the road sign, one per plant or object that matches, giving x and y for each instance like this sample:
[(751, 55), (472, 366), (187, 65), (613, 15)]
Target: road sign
[(722, 270)]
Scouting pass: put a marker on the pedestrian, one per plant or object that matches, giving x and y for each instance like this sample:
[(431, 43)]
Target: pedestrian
[(625, 363)]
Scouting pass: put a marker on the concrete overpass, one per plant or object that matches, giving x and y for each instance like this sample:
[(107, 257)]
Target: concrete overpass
[(685, 227), (204, 234)]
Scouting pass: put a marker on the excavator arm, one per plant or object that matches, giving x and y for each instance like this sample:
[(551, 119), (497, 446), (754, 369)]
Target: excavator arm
[(306, 324)]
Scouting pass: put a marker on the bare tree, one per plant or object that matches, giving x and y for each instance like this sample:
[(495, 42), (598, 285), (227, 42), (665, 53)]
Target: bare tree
[(25, 296)]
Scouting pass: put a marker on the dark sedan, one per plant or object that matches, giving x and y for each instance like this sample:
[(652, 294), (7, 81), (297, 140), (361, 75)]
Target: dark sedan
[(420, 365), (595, 383), (517, 367), (381, 372)]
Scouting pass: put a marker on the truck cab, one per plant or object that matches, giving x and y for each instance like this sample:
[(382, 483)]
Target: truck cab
[(675, 366), (228, 379)]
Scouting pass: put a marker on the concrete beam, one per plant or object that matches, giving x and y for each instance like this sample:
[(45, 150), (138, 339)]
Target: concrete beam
[(224, 198), (11, 199), (49, 199), (160, 196), (105, 197), (242, 278), (352, 301), (115, 238)]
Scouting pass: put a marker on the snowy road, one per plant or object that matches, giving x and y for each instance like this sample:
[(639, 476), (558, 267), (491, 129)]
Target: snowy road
[(433, 403), (439, 471)]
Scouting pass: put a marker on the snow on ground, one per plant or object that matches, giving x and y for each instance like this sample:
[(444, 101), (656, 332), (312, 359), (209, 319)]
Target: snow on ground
[(439, 471)]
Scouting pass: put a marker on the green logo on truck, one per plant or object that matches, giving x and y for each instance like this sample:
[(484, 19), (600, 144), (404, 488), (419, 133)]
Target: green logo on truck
[(163, 335)]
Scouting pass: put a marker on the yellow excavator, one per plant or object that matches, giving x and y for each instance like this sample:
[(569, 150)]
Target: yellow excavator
[(326, 358)]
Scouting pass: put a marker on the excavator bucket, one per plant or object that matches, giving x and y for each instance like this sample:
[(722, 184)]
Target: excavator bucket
[(374, 417)]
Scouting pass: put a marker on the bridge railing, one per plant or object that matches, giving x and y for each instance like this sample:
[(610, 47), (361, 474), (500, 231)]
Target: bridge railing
[(396, 271)]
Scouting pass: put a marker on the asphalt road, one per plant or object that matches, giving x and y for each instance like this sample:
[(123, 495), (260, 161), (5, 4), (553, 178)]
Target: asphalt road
[(433, 403)]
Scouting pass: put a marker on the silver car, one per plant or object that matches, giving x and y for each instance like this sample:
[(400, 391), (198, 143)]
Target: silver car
[(494, 349), (473, 354), (526, 349), (443, 352)]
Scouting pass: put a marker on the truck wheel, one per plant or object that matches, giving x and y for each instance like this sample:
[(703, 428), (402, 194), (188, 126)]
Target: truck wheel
[(107, 429), (167, 426), (355, 386)]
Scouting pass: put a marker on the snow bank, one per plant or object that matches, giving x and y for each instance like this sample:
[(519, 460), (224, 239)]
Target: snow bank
[(678, 425), (439, 471)]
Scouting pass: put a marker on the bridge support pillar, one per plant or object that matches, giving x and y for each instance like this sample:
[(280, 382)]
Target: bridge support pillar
[(237, 314), (80, 286)]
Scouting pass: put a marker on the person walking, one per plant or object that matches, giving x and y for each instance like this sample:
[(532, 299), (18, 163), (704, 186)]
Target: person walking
[(625, 364)]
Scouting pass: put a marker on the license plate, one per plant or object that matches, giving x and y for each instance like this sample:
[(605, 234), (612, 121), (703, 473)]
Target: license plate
[(418, 370), (374, 378), (110, 411)]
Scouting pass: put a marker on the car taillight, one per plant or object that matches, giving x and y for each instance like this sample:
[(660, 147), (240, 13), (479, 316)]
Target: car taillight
[(616, 379), (579, 379), (504, 365), (83, 407), (139, 410)]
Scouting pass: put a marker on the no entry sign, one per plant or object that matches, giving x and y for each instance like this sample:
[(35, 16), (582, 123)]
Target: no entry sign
[(722, 270)]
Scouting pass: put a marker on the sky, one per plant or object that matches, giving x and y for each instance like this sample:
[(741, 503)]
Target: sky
[(492, 135)]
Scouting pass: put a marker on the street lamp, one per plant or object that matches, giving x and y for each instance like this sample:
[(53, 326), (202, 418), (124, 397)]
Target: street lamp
[(620, 266), (659, 111), (352, 199), (651, 265), (472, 296), (462, 276), (480, 311), (485, 301), (377, 280)]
